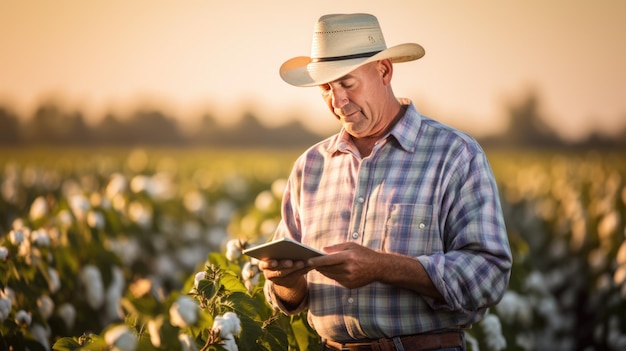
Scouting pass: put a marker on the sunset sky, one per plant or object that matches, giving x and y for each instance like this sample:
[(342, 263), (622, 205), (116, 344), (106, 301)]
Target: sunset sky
[(190, 57)]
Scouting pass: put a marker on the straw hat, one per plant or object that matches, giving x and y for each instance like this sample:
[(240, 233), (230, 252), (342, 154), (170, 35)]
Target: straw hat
[(342, 43)]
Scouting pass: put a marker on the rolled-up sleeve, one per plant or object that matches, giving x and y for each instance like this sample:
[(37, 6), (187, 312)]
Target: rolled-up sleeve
[(473, 271)]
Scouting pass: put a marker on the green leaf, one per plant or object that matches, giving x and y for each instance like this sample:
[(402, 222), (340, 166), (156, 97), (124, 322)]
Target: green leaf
[(66, 344), (232, 283)]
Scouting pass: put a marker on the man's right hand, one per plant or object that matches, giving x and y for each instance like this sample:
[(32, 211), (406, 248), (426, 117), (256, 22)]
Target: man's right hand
[(289, 280)]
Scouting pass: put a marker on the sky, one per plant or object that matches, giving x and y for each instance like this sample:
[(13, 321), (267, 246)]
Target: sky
[(191, 57)]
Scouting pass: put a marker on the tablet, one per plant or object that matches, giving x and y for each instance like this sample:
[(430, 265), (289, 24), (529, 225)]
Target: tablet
[(282, 249)]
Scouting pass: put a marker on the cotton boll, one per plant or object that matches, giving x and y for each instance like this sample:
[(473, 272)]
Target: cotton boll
[(54, 282), (40, 238), (233, 249), (250, 273), (187, 343), (95, 219), (264, 201), (121, 338), (227, 324), (23, 318), (17, 236), (510, 306), (493, 333), (230, 344), (45, 306), (5, 308), (117, 185), (80, 206), (114, 295), (38, 209), (94, 287), (41, 334), (198, 277), (67, 312), (4, 253), (153, 330), (183, 312)]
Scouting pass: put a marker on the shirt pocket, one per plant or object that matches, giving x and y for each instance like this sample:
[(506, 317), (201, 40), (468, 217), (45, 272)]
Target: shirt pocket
[(411, 230)]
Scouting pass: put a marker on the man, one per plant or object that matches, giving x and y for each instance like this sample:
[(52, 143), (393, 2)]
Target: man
[(406, 208)]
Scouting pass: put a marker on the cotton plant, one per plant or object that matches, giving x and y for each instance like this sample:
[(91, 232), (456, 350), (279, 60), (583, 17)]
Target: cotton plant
[(228, 326)]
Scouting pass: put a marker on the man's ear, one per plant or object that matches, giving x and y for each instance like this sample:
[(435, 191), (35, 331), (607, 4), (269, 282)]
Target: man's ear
[(386, 70)]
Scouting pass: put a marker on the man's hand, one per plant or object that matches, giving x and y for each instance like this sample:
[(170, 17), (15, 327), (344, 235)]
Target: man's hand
[(286, 273), (290, 284), (351, 265)]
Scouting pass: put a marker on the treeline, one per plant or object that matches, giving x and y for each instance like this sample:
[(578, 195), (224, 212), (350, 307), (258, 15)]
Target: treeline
[(50, 125)]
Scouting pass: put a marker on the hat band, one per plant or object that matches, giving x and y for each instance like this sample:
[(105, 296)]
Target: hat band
[(345, 57)]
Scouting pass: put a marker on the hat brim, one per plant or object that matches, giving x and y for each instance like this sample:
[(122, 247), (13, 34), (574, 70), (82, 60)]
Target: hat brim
[(303, 72)]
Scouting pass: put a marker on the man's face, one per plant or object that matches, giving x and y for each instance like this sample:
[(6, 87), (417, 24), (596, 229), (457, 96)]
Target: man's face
[(357, 100)]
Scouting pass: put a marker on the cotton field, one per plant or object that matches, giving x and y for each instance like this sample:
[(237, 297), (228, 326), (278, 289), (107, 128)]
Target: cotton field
[(141, 250)]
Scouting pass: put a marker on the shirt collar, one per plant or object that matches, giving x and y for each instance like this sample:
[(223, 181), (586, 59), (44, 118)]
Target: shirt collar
[(405, 131)]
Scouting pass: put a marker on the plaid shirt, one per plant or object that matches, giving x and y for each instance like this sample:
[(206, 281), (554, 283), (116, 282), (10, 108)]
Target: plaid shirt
[(426, 191)]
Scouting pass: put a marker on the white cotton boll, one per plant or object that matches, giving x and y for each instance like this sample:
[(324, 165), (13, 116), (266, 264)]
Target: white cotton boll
[(183, 312), (94, 287), (514, 307), (45, 306), (187, 343), (165, 266), (121, 338), (17, 236), (64, 218), (223, 211), (233, 249), (264, 201), (197, 278), (189, 256), (235, 323), (194, 202), (4, 253), (117, 185), (140, 214), (140, 183), (95, 219), (230, 344), (493, 333), (24, 250), (128, 249), (535, 282), (54, 282), (23, 318), (250, 274), (40, 238), (41, 334), (113, 307), (114, 295), (67, 312), (227, 324), (5, 308), (471, 342), (38, 209), (80, 206), (153, 330), (9, 294)]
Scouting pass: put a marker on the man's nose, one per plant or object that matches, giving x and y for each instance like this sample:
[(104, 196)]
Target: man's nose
[(340, 98)]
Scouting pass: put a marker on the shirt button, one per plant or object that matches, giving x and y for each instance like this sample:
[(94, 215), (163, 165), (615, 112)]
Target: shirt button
[(350, 300), (422, 225), (355, 235), (361, 199)]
